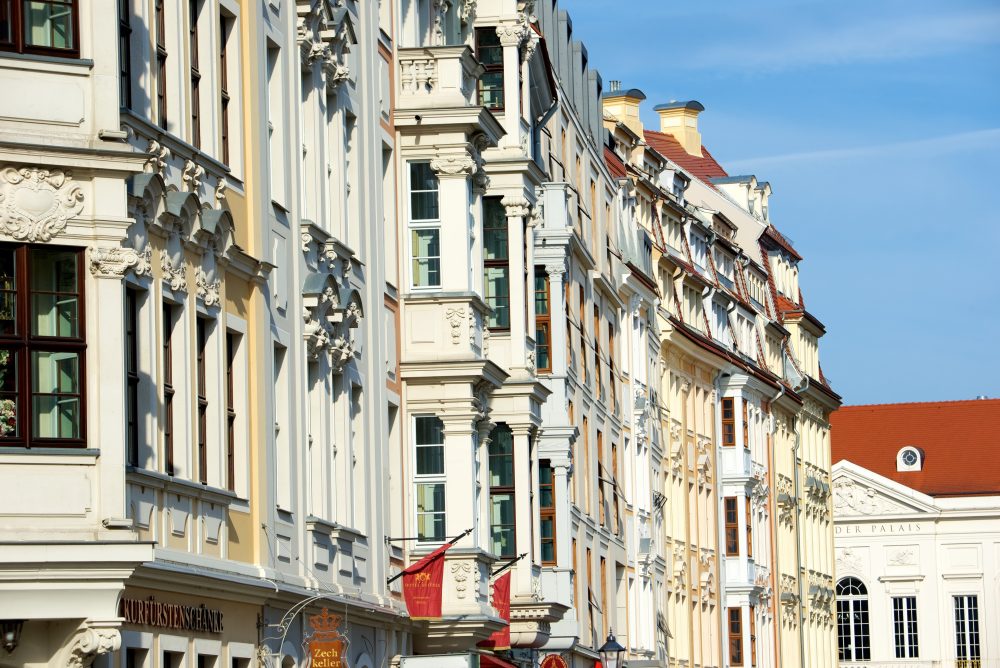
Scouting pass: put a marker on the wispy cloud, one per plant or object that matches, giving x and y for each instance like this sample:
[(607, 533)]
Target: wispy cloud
[(930, 147), (873, 40)]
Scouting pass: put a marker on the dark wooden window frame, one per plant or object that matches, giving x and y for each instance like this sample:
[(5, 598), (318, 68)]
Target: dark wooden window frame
[(124, 54), (167, 353), (497, 262), (496, 490), (22, 343), (548, 512), (201, 343), (226, 24), (728, 422), (731, 520), (132, 377), (18, 44), (749, 520), (735, 635), (194, 9), (232, 346), (159, 14), (543, 321), (492, 68)]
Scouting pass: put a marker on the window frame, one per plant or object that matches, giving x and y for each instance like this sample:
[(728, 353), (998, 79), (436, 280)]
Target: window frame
[(492, 68), (421, 224), (543, 322), (964, 642), (169, 320), (161, 54), (19, 43), (728, 407), (194, 13), (501, 490), (734, 634), (420, 479), (906, 641), (124, 54), (496, 263), (22, 344), (853, 620), (132, 376), (202, 339), (547, 512), (731, 520)]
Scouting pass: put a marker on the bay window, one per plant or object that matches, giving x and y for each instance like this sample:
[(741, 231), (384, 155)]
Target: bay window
[(502, 523), (42, 347), (428, 433), (496, 262), (44, 27), (425, 227)]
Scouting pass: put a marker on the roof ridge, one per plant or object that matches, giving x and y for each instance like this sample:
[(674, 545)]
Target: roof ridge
[(922, 403)]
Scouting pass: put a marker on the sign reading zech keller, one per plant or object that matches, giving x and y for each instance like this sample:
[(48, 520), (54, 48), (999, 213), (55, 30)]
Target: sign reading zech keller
[(327, 647)]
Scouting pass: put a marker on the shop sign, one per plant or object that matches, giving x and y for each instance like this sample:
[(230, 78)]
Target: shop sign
[(170, 615), (554, 661), (327, 648)]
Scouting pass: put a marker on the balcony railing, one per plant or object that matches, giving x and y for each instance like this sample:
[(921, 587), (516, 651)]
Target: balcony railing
[(438, 76)]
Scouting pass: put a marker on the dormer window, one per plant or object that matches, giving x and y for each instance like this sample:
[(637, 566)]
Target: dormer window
[(909, 459)]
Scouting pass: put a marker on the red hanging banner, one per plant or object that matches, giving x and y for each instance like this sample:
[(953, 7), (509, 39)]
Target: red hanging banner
[(501, 601), (422, 585)]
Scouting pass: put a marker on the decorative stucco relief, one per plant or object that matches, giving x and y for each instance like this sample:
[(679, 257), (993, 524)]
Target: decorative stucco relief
[(36, 203), (853, 498), (115, 262)]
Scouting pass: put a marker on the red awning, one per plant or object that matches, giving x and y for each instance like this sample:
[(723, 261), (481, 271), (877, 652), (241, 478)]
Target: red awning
[(490, 661)]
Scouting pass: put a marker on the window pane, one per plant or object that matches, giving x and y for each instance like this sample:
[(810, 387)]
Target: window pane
[(54, 303), (491, 90), (55, 380), (424, 206), (498, 296), (541, 295), (430, 430), (6, 21), (8, 278), (501, 457), (422, 177), (8, 394), (48, 24), (548, 551), (430, 460)]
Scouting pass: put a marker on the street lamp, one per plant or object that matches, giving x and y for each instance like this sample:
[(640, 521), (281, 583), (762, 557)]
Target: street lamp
[(10, 633), (611, 652)]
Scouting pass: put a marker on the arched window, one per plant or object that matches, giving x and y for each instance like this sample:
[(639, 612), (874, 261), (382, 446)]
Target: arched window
[(853, 636), (502, 522)]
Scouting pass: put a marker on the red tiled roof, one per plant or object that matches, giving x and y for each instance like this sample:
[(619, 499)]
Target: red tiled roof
[(778, 238), (614, 163), (703, 168), (959, 440)]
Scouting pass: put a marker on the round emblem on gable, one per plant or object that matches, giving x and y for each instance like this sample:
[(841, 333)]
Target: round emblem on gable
[(554, 661)]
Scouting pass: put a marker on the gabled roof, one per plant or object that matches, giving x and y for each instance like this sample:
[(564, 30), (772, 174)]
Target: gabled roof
[(959, 440), (614, 163), (704, 168)]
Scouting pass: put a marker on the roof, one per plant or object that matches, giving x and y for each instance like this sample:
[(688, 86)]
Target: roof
[(704, 168), (777, 237), (694, 105), (614, 163), (958, 439), (631, 92)]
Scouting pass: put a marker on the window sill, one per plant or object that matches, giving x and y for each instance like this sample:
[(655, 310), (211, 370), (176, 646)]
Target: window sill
[(41, 59), (173, 484)]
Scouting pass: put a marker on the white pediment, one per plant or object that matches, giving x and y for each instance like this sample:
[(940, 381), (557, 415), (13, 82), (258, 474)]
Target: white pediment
[(858, 492)]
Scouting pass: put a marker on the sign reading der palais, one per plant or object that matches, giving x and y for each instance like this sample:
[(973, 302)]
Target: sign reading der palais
[(171, 615), (884, 528)]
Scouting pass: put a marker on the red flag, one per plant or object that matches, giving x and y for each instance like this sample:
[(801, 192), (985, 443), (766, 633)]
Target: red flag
[(422, 585), (501, 601)]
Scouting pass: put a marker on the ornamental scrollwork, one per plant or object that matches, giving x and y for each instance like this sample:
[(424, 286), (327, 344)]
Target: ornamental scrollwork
[(36, 203), (115, 262)]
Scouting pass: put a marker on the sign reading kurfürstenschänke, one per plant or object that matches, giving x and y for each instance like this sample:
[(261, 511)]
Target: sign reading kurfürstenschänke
[(171, 615)]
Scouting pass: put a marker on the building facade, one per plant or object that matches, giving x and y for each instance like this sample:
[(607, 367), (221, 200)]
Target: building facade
[(296, 291), (917, 515)]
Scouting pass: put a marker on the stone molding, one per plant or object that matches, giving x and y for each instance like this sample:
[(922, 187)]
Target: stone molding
[(36, 203)]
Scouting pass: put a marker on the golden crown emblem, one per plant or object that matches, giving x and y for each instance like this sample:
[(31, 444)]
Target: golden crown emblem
[(325, 623)]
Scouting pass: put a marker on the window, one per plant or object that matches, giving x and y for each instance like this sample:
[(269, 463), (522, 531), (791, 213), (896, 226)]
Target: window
[(904, 626), (967, 653), (489, 51), (225, 29), (853, 636), (699, 251), (502, 523), (728, 423), (601, 501), (161, 63), (746, 425), (45, 27), (425, 233), (543, 322), (611, 366), (201, 335), (42, 347), (732, 527), (429, 445), (232, 346), (614, 488), (496, 261), (598, 371), (168, 387), (753, 637), (582, 313), (735, 636), (124, 54), (132, 377), (193, 8), (749, 527), (547, 512)]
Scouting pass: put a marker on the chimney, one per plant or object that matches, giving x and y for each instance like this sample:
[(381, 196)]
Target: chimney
[(624, 105), (680, 120)]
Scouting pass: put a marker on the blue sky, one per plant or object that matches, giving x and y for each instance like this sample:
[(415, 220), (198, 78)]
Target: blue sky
[(877, 123)]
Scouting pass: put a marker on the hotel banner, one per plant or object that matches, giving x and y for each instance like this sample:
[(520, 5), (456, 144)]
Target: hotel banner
[(501, 601), (422, 585)]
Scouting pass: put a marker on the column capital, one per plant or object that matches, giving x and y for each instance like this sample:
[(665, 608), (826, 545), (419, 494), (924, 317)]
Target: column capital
[(516, 205), (453, 165), (115, 262)]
